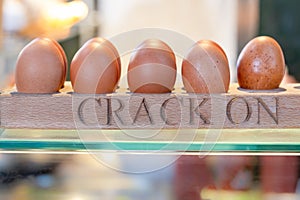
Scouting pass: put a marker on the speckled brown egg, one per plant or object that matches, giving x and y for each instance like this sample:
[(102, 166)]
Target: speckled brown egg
[(94, 69), (205, 69), (152, 68), (261, 64), (41, 67)]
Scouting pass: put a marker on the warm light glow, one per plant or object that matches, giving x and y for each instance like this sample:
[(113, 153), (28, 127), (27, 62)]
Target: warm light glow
[(64, 15)]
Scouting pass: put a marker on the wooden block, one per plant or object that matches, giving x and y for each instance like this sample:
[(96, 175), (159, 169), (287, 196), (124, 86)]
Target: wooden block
[(237, 109), (1, 23)]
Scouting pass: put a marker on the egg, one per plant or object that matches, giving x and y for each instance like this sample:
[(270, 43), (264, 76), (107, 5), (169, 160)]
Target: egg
[(63, 54), (205, 68), (41, 67), (261, 64), (94, 69), (152, 68), (112, 47)]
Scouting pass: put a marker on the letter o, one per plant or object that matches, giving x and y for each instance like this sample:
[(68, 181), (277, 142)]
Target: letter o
[(229, 106)]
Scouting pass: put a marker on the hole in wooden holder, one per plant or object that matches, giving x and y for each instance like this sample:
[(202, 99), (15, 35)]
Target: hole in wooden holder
[(15, 93), (277, 90)]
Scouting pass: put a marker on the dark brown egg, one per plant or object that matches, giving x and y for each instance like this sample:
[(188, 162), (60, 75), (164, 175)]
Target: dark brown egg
[(205, 69), (261, 64), (41, 67), (152, 68), (94, 69)]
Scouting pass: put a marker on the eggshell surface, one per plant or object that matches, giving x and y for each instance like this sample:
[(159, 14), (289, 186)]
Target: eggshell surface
[(104, 41), (261, 64), (94, 69), (152, 68), (40, 67), (64, 57), (205, 69)]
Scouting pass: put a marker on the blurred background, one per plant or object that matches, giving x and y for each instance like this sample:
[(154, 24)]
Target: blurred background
[(231, 24), (80, 176)]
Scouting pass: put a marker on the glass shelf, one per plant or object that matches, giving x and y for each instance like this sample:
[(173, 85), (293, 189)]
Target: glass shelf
[(213, 141)]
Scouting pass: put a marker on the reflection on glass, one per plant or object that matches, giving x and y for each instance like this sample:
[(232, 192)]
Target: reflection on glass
[(52, 176)]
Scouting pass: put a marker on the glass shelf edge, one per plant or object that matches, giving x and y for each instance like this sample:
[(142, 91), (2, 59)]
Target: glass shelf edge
[(153, 147)]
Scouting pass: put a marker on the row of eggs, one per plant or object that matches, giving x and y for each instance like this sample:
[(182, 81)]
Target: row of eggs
[(96, 67)]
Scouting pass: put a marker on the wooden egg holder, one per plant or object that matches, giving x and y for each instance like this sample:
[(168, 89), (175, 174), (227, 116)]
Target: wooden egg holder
[(239, 108)]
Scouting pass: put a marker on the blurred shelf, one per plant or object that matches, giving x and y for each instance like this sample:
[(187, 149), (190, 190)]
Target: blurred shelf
[(228, 141)]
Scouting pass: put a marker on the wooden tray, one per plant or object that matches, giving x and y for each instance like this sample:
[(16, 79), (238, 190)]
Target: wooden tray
[(237, 109)]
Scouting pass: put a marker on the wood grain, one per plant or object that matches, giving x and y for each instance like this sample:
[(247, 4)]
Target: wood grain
[(237, 109)]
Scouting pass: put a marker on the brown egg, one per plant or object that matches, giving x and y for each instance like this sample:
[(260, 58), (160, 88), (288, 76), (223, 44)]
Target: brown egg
[(205, 69), (79, 58), (112, 47), (261, 64), (152, 68), (64, 57), (41, 67), (94, 69), (63, 54)]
